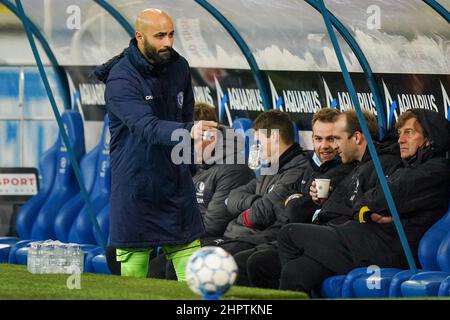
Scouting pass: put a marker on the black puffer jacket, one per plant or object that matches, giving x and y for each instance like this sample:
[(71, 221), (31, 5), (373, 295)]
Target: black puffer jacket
[(299, 207), (255, 204), (339, 207), (420, 188), (213, 183)]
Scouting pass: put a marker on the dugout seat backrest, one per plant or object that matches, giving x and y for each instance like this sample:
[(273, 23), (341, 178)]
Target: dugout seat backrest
[(431, 241), (241, 126), (82, 229), (443, 254), (65, 184), (103, 222), (296, 134), (29, 211), (70, 211)]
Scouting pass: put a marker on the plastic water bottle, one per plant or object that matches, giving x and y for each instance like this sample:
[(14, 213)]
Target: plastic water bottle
[(254, 157), (51, 257), (75, 257), (79, 261), (38, 258), (63, 258), (46, 256), (59, 258), (54, 257), (31, 257)]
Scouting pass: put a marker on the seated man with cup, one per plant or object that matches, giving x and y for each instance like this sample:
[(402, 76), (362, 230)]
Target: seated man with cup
[(256, 205), (263, 267), (323, 187), (419, 184)]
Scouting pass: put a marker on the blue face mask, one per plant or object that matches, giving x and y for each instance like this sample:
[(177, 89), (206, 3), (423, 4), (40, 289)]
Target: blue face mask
[(316, 160)]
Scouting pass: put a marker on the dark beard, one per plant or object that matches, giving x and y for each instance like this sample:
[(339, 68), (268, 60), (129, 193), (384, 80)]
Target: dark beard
[(157, 58)]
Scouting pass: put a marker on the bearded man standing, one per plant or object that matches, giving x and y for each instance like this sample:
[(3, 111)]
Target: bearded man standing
[(149, 96)]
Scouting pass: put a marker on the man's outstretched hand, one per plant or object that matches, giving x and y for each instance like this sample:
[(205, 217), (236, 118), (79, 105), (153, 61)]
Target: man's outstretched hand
[(200, 127)]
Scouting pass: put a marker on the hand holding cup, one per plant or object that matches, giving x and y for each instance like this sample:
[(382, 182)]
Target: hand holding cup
[(319, 190)]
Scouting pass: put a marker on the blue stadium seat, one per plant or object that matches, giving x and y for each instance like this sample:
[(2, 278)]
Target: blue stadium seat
[(28, 213), (5, 248), (64, 185), (427, 283), (444, 289), (347, 285), (296, 134), (103, 222), (82, 230), (434, 255), (69, 212), (241, 126), (375, 287), (89, 256), (424, 284), (100, 265), (431, 241), (332, 287), (443, 254), (395, 289), (73, 224)]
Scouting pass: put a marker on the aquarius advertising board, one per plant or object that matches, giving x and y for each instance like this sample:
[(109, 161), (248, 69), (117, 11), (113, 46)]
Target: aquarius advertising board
[(235, 94), (301, 94)]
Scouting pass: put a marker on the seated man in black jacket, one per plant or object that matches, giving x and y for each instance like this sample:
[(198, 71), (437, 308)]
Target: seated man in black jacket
[(420, 186), (215, 177), (256, 205)]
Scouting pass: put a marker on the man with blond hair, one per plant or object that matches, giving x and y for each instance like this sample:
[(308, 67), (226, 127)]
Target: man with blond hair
[(420, 186)]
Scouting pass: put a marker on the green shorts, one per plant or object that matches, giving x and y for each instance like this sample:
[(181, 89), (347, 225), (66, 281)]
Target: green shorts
[(134, 261)]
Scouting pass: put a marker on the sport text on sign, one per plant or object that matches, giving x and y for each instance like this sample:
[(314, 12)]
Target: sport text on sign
[(18, 184)]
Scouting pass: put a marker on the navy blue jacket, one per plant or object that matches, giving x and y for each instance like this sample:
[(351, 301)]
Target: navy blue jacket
[(153, 200)]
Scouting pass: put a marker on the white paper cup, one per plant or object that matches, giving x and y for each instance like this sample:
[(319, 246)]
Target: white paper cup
[(323, 187)]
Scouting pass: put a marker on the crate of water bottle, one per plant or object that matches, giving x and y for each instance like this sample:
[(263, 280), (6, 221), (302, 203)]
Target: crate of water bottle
[(54, 257)]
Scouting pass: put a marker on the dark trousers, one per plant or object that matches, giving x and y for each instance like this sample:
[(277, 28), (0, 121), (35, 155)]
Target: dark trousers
[(235, 246), (113, 264), (162, 269), (309, 254)]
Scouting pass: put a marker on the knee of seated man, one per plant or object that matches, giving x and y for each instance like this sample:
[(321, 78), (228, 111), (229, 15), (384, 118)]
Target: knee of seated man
[(291, 272), (262, 258), (287, 232)]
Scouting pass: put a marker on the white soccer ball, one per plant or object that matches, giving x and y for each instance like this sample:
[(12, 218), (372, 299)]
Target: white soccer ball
[(211, 271)]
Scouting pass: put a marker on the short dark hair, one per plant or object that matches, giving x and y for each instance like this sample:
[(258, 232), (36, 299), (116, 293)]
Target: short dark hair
[(353, 124), (274, 119), (329, 115), (204, 111)]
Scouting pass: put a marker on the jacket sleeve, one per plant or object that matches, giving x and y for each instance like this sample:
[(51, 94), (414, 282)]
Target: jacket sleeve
[(216, 217), (242, 198), (412, 189), (188, 101), (299, 209), (262, 212), (125, 101)]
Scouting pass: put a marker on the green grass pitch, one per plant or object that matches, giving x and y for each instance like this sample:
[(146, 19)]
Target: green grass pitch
[(17, 283)]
